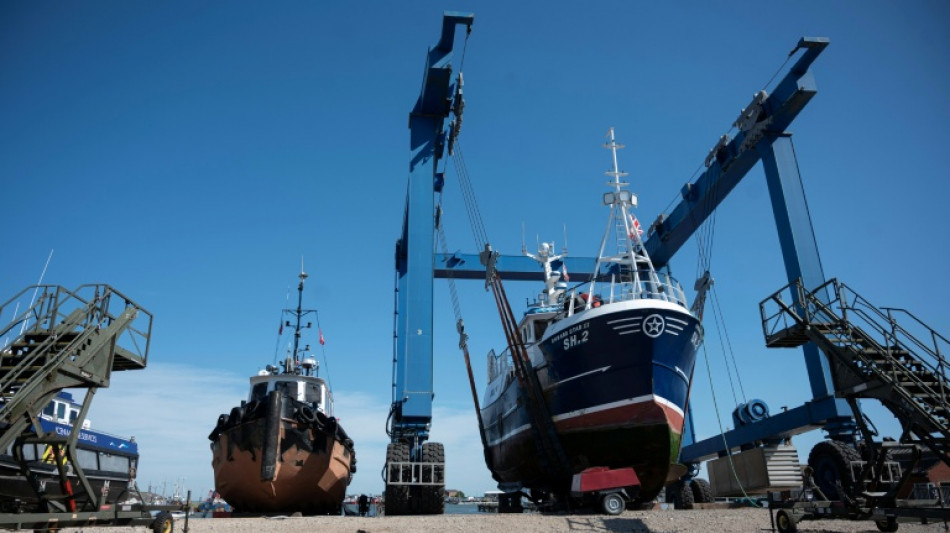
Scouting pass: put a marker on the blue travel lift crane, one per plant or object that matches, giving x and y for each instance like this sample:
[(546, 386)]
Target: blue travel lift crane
[(906, 374), (415, 469), (761, 136)]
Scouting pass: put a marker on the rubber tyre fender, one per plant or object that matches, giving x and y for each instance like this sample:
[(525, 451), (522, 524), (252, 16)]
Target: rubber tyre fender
[(237, 414), (785, 522), (163, 523), (306, 415), (612, 503), (251, 410)]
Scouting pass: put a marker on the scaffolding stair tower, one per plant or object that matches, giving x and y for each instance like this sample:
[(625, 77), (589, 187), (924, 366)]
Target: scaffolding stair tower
[(871, 355), (64, 339)]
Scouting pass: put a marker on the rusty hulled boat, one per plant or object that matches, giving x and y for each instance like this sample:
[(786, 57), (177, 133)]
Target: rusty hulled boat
[(613, 360), (282, 450)]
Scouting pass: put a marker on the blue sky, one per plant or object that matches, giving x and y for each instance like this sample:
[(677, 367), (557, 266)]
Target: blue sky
[(190, 153)]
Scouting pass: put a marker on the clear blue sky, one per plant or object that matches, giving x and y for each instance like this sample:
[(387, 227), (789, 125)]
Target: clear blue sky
[(189, 153)]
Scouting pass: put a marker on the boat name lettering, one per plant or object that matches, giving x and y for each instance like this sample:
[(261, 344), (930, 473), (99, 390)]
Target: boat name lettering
[(82, 436), (572, 331), (576, 340)]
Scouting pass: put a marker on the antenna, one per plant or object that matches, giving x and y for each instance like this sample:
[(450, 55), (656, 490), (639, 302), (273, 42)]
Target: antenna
[(565, 238), (524, 249), (40, 282)]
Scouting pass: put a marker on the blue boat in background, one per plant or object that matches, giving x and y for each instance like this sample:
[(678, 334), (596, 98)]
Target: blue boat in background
[(108, 461)]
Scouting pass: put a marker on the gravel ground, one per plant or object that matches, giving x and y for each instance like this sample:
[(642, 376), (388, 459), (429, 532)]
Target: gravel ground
[(752, 520)]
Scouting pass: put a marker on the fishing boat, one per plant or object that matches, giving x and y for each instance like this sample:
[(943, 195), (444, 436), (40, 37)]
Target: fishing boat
[(282, 450), (108, 461), (613, 361)]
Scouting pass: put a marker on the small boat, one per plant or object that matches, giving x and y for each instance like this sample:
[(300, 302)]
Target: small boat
[(282, 451), (613, 359), (108, 462)]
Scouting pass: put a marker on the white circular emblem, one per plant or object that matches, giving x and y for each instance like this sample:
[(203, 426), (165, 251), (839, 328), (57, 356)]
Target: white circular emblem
[(653, 326)]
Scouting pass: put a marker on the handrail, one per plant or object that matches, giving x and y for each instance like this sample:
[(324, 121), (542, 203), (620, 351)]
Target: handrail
[(934, 334)]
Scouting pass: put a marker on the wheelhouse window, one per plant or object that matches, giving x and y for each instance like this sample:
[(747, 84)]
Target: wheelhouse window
[(60, 410), (113, 463), (539, 327), (50, 409), (287, 387), (313, 393), (87, 459), (29, 452)]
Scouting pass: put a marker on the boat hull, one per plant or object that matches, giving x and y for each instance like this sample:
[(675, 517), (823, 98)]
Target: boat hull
[(108, 462), (307, 470), (616, 384), (17, 495)]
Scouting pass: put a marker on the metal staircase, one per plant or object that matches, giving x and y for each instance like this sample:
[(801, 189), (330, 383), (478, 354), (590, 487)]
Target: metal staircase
[(870, 354), (64, 339)]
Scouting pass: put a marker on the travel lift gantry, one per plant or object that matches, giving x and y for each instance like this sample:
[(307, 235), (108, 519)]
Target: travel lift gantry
[(907, 375)]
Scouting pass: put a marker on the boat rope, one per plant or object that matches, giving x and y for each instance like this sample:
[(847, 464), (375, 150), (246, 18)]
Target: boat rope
[(552, 452), (323, 350), (720, 317), (705, 238), (460, 323), (280, 330), (468, 32), (722, 431), (468, 197)]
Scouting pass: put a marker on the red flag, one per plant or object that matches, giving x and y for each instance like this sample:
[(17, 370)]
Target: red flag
[(322, 341), (564, 270), (635, 226)]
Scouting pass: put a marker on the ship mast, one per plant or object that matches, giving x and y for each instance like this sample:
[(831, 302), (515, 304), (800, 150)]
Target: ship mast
[(630, 253), (299, 312), (297, 360)]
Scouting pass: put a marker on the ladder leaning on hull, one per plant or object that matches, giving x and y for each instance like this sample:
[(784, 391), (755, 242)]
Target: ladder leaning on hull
[(65, 339), (870, 355)]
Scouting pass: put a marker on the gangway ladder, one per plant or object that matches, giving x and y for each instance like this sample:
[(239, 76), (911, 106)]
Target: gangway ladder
[(65, 339), (870, 355)]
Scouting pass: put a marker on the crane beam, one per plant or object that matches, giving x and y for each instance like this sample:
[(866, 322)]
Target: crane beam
[(731, 160)]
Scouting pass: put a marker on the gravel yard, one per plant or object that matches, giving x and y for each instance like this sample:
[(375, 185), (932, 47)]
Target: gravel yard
[(752, 520)]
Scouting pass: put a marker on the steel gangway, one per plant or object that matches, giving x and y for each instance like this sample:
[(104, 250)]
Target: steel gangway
[(871, 355), (63, 339)]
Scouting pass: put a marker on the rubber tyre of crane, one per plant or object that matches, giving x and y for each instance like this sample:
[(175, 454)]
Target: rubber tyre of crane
[(397, 496), (433, 496), (612, 503), (680, 494), (785, 522), (702, 492), (163, 523), (831, 462), (889, 525)]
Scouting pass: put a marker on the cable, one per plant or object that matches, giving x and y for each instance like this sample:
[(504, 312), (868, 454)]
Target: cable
[(323, 350), (722, 432)]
